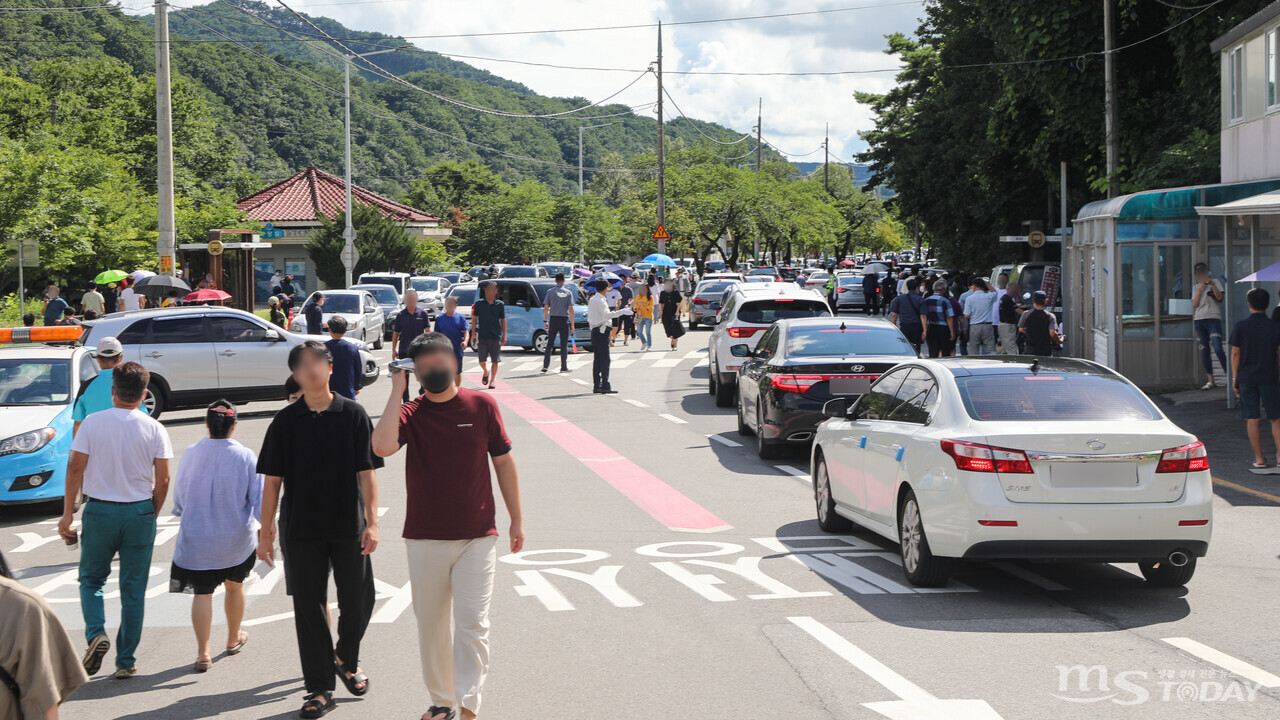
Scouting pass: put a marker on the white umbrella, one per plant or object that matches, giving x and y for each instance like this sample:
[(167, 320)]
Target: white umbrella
[(139, 274)]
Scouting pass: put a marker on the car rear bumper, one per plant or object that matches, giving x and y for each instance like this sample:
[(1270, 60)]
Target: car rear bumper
[(1092, 550), (793, 426)]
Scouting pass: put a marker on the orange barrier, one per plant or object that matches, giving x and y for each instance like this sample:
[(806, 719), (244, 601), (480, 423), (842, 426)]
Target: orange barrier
[(55, 333)]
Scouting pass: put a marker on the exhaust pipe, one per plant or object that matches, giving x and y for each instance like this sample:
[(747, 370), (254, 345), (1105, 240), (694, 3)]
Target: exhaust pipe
[(1177, 558), (800, 436)]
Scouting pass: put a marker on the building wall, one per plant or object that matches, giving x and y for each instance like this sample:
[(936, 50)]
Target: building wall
[(1251, 142)]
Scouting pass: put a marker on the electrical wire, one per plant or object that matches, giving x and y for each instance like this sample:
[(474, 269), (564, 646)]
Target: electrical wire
[(780, 151), (375, 69), (87, 8), (748, 153), (695, 124)]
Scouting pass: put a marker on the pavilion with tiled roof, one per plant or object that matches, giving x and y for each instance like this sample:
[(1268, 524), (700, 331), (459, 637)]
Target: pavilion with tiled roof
[(295, 205)]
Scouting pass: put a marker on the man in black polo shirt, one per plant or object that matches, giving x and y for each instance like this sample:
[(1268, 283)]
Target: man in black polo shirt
[(1255, 369), (1039, 327), (320, 448)]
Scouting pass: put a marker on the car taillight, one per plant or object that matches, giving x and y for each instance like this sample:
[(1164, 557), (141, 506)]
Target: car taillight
[(1188, 458), (796, 383), (987, 458), (840, 290), (700, 301), (743, 332)]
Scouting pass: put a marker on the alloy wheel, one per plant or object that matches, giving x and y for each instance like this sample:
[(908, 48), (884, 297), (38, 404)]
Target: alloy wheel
[(911, 534), (823, 491)]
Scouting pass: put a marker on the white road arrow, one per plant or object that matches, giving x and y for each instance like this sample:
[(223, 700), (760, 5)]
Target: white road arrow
[(915, 702)]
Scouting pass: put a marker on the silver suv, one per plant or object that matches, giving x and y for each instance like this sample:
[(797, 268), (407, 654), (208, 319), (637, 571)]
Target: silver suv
[(199, 354)]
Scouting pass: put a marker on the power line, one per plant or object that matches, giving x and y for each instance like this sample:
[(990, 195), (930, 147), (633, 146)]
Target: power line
[(695, 124), (42, 10), (780, 151)]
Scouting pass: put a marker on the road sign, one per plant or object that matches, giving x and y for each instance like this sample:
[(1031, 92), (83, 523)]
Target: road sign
[(271, 234), (350, 256), (215, 247), (30, 254), (1036, 239), (661, 233), (166, 264), (1051, 283)]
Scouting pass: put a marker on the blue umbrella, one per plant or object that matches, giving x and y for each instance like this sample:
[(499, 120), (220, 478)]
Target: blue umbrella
[(619, 269), (660, 259)]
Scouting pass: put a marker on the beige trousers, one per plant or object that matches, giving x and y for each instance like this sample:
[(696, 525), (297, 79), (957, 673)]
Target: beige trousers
[(452, 586)]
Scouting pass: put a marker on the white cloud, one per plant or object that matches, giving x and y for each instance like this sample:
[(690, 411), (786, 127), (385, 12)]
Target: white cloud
[(795, 108)]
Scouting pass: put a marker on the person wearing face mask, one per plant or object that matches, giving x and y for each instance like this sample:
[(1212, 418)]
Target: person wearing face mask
[(450, 529)]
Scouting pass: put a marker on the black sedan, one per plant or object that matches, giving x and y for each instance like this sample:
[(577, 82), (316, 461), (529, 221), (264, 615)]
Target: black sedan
[(799, 365)]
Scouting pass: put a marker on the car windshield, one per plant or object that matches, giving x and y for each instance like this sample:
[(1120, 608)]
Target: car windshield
[(1031, 279), (715, 288), (466, 295), (812, 341), (764, 271), (767, 312), (342, 304), (30, 381), (518, 271), (384, 296), (392, 280), (553, 268), (1045, 396), (760, 278), (818, 276), (426, 284)]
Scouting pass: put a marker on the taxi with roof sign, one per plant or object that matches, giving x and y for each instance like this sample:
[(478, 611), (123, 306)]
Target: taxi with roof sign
[(42, 371)]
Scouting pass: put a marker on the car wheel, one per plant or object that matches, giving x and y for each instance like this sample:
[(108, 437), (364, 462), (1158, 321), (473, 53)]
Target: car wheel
[(473, 344), (765, 449), (922, 567), (540, 340), (693, 325), (377, 341), (1164, 574), (743, 427), (724, 393), (828, 520), (153, 401), (711, 383)]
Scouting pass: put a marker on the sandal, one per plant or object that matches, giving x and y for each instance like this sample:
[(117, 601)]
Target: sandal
[(203, 665), (448, 712), (317, 704), (1258, 466), (235, 649), (352, 681), (484, 380)]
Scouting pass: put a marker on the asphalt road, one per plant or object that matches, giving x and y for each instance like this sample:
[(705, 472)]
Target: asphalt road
[(670, 573)]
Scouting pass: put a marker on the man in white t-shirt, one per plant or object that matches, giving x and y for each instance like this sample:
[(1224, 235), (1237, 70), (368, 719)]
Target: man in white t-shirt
[(1206, 314), (120, 458)]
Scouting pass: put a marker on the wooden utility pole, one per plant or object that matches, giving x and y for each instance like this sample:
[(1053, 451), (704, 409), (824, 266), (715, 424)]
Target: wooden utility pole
[(759, 132), (662, 170), (826, 160), (1113, 130), (167, 236)]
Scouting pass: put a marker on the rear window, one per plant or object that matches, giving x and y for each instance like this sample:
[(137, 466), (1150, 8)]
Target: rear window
[(466, 296), (805, 342), (384, 296), (1046, 396), (767, 312), (522, 271), (392, 280), (426, 284), (715, 288), (342, 304)]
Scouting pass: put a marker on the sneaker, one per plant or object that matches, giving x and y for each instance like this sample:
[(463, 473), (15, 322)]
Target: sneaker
[(544, 371), (98, 647), (125, 673), (1209, 385)]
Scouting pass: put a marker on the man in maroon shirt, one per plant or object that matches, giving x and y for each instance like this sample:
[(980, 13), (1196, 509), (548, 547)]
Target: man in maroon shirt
[(450, 531)]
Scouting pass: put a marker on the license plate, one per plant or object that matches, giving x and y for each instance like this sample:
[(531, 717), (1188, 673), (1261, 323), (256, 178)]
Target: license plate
[(849, 385), (715, 306), (1093, 475)]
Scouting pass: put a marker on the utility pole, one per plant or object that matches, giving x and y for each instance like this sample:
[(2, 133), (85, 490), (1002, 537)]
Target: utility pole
[(759, 133), (826, 159), (662, 169), (1113, 130), (167, 237)]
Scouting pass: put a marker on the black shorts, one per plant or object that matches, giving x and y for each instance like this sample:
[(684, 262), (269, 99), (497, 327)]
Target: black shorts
[(205, 582)]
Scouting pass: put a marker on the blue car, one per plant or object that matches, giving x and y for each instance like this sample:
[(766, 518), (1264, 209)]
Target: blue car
[(38, 385), (523, 299)]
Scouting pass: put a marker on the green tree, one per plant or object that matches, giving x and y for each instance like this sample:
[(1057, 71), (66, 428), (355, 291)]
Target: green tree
[(382, 242), (514, 225)]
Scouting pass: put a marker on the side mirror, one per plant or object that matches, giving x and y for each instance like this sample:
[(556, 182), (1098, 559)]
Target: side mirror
[(271, 336), (522, 303), (370, 310), (740, 351), (837, 408)]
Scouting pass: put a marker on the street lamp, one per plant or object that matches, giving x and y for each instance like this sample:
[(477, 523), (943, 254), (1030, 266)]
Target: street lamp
[(581, 244), (349, 255)]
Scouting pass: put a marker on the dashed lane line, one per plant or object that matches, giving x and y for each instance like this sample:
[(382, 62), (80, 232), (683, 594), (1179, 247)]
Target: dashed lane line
[(672, 418), (1225, 661), (637, 403), (724, 441)]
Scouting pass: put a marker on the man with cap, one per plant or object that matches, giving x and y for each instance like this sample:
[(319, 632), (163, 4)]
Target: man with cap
[(95, 395), (557, 318), (1039, 326), (600, 317)]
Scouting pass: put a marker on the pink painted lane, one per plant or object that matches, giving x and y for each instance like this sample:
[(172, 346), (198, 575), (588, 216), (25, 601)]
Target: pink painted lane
[(663, 502)]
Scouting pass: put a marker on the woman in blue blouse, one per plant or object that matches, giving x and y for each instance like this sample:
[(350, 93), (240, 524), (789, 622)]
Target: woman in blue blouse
[(218, 497)]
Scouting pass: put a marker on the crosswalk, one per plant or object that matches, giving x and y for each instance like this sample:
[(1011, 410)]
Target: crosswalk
[(621, 358)]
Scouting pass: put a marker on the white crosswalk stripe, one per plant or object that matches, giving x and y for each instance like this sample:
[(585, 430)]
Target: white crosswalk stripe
[(526, 364)]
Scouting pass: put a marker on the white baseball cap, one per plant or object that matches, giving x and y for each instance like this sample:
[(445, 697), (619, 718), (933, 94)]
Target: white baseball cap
[(108, 347)]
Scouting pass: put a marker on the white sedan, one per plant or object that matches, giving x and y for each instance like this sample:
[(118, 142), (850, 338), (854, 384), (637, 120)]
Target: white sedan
[(1001, 457)]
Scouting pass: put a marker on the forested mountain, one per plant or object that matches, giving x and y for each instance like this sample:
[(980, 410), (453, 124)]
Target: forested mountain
[(280, 104)]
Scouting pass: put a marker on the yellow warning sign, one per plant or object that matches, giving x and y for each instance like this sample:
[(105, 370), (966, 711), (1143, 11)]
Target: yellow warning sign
[(661, 233)]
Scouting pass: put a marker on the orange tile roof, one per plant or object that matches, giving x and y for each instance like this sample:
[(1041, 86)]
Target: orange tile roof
[(313, 192)]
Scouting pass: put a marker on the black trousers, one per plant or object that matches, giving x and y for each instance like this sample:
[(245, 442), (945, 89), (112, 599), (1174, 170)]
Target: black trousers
[(307, 573), (557, 327), (912, 331), (940, 342), (600, 364), (871, 302)]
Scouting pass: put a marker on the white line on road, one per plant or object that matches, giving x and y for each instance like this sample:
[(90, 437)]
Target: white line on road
[(668, 362), (1225, 661), (580, 381), (915, 702), (672, 418), (793, 471), (724, 441), (637, 403), (620, 363), (1024, 574)]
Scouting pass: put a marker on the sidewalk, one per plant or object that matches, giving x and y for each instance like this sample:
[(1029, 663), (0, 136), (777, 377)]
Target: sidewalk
[(1205, 414)]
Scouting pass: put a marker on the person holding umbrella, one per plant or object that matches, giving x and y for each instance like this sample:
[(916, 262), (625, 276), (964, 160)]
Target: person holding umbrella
[(600, 318)]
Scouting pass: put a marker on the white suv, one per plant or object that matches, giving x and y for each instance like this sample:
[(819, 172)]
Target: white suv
[(199, 354), (747, 311)]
